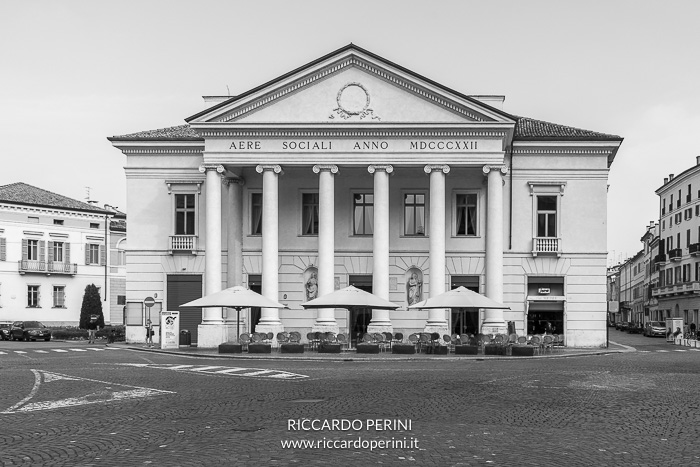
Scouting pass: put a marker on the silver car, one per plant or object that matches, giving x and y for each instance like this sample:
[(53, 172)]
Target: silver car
[(655, 328)]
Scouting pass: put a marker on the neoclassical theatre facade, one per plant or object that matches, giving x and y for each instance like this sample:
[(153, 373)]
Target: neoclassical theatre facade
[(352, 170)]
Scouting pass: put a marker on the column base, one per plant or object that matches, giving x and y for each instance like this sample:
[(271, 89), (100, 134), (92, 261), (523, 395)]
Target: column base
[(440, 328), (211, 335), (380, 327), (494, 327), (326, 327)]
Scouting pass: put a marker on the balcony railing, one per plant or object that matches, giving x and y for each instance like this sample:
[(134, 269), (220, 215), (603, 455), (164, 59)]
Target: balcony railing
[(676, 289), (31, 265), (546, 245), (694, 249), (675, 254), (62, 268), (183, 243), (660, 258)]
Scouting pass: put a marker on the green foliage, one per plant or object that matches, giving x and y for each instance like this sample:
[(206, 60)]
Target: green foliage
[(92, 305)]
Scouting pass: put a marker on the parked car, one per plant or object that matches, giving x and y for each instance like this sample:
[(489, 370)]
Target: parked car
[(622, 325), (655, 328), (29, 330), (634, 328), (5, 331)]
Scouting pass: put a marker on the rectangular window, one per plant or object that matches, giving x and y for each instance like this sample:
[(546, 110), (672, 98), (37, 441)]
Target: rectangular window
[(678, 201), (678, 240), (57, 253), (185, 214), (256, 206), (33, 250), (414, 214), (670, 204), (93, 253), (309, 214), (94, 225), (59, 296), (546, 216), (33, 296), (58, 222), (687, 197), (465, 214), (33, 219), (363, 214), (677, 273)]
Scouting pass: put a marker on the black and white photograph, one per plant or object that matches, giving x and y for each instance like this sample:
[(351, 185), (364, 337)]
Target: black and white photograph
[(389, 232)]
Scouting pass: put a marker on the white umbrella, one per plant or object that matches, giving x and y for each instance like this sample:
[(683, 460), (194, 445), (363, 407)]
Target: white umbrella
[(234, 297), (350, 297), (461, 297)]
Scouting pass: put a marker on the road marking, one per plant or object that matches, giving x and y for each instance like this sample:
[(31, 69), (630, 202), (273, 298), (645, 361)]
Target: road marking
[(19, 351), (104, 393), (58, 350), (41, 351), (78, 350), (234, 371)]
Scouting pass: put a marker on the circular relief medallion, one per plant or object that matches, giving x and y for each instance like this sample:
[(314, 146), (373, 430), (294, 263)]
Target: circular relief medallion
[(353, 98)]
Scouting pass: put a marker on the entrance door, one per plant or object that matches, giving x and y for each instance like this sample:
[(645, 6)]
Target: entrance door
[(465, 320), (183, 289), (359, 317), (255, 284)]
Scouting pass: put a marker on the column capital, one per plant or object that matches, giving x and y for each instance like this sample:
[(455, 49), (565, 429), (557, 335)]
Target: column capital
[(218, 167), (434, 167), (274, 167), (388, 168), (332, 168), (488, 168), (234, 181)]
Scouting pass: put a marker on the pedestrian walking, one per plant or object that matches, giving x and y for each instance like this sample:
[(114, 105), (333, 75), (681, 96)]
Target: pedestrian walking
[(92, 328), (149, 333)]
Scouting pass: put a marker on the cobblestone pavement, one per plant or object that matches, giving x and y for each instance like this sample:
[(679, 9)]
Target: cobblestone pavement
[(124, 407)]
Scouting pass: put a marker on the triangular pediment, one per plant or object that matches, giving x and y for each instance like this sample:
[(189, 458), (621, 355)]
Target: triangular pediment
[(353, 86)]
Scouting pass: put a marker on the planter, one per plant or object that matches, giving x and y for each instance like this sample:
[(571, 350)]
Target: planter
[(259, 348), (466, 350), (230, 348), (492, 349), (329, 348), (441, 350), (403, 349), (292, 348), (367, 348), (523, 351)]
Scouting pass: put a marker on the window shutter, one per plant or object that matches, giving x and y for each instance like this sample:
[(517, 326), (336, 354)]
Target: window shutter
[(66, 252), (51, 252), (25, 249), (103, 255), (38, 296), (87, 253), (42, 250), (3, 250)]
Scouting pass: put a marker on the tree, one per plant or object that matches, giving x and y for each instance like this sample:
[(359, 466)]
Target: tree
[(92, 305)]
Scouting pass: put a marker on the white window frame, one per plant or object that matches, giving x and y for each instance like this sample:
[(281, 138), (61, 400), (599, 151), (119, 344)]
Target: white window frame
[(96, 246), (555, 189), (426, 209), (368, 191), (33, 249), (184, 187), (252, 193), (478, 194), (38, 296), (301, 211), (54, 296)]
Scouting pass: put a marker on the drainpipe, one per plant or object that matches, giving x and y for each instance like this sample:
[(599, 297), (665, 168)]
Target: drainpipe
[(510, 224)]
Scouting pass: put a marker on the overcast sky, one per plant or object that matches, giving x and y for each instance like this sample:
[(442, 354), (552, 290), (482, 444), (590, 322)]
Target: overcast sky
[(75, 72)]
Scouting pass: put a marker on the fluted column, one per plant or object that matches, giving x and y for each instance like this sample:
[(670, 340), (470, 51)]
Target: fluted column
[(212, 239), (234, 242), (493, 318), (437, 321), (269, 317), (325, 321), (380, 274)]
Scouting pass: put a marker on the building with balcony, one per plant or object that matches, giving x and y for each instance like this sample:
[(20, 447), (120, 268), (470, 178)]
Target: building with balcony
[(353, 170), (678, 289), (51, 248)]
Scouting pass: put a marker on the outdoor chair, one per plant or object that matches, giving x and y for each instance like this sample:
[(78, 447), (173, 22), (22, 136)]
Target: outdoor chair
[(343, 341), (398, 338), (294, 337), (415, 340), (244, 340), (388, 338), (536, 343), (450, 341), (547, 343), (424, 341), (282, 338)]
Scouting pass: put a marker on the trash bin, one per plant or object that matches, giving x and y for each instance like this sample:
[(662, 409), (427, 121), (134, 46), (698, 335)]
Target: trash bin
[(185, 337)]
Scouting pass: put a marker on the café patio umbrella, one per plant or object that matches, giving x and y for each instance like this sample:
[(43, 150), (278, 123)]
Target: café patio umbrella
[(350, 297), (234, 297), (461, 297)]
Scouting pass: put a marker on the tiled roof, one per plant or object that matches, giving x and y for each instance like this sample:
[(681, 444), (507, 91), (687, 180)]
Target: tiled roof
[(21, 193), (528, 128), (173, 133), (525, 128)]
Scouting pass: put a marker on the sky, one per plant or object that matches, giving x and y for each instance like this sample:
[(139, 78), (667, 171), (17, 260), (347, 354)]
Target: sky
[(73, 73)]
